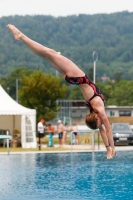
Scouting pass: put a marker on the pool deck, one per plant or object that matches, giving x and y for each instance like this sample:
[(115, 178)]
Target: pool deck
[(70, 149), (89, 148)]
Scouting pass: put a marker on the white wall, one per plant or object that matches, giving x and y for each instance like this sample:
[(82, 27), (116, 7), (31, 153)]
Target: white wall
[(10, 122)]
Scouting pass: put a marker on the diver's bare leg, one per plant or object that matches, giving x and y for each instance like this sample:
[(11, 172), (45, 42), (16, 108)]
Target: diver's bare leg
[(61, 63)]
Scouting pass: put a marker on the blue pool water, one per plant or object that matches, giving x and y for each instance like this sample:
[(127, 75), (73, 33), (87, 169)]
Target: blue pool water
[(66, 176)]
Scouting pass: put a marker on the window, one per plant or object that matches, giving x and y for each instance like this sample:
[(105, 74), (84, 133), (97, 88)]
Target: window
[(124, 113)]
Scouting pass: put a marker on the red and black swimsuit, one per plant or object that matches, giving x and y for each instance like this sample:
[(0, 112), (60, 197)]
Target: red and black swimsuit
[(85, 80)]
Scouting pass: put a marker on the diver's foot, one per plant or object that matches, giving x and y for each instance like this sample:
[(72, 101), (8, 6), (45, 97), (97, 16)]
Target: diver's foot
[(113, 153), (109, 153), (16, 33)]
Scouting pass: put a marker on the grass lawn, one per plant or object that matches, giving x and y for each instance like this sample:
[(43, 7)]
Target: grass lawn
[(81, 138)]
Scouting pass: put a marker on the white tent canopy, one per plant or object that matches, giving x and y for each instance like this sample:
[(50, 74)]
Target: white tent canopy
[(9, 107)]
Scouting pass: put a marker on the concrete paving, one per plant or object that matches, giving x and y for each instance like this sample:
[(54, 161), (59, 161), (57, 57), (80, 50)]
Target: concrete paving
[(89, 147), (70, 148)]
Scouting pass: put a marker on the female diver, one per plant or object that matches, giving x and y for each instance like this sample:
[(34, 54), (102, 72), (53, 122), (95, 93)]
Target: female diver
[(97, 118)]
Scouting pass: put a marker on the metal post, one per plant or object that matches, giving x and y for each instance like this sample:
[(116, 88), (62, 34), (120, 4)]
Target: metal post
[(7, 132), (93, 145), (17, 90), (39, 141), (95, 59), (94, 72), (57, 73), (98, 141), (71, 141)]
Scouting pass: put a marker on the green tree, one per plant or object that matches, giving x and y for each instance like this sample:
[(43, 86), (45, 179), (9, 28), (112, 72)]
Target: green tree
[(3, 82), (76, 37), (75, 93), (10, 81), (121, 94), (40, 91), (118, 76)]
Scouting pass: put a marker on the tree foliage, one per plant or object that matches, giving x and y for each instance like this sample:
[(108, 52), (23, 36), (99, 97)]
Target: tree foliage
[(40, 91), (115, 93), (76, 37), (9, 82)]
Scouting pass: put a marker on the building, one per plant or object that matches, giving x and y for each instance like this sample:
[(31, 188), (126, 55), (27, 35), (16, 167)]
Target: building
[(105, 79), (77, 110)]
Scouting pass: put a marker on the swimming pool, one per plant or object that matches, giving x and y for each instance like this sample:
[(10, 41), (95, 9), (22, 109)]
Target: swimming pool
[(66, 176)]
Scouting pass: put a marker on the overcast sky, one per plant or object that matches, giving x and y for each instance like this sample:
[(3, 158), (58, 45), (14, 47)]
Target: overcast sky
[(63, 7)]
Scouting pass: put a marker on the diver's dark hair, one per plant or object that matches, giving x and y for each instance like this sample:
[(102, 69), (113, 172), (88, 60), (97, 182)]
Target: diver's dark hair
[(91, 121)]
